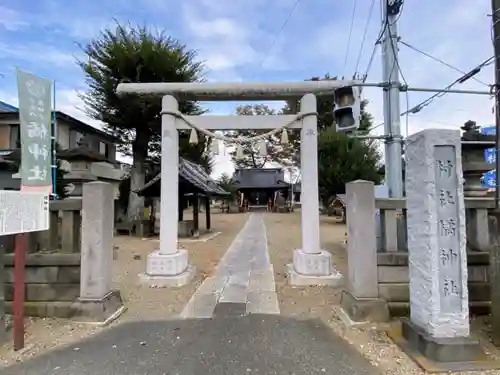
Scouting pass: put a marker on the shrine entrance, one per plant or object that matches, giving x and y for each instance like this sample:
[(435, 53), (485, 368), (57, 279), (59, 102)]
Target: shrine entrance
[(169, 265)]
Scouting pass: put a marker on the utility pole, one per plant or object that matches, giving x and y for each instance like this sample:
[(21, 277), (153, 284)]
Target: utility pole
[(495, 250), (392, 124), (495, 5)]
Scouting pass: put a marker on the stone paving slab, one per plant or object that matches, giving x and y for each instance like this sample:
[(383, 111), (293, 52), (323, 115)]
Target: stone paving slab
[(212, 285), (224, 345), (261, 282), (262, 303), (244, 269), (234, 294), (201, 307)]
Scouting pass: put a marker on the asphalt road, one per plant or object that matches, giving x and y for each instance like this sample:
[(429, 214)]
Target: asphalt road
[(227, 344)]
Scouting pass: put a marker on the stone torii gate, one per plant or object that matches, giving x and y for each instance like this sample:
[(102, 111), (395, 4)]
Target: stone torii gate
[(169, 265)]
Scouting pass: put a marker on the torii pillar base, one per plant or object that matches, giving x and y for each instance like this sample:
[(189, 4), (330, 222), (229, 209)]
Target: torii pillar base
[(167, 270), (313, 269)]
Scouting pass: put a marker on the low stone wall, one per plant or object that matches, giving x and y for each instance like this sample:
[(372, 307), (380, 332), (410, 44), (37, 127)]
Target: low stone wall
[(52, 284), (393, 282)]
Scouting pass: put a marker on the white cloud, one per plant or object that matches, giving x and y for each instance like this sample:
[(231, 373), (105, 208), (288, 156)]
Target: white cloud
[(223, 43), (42, 53), (11, 20), (234, 36), (461, 38)]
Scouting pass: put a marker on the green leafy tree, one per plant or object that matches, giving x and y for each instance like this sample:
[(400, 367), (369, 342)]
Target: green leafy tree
[(197, 153), (136, 54), (340, 158), (226, 182), (276, 152)]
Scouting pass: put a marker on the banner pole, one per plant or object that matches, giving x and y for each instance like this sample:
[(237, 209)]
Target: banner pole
[(54, 143)]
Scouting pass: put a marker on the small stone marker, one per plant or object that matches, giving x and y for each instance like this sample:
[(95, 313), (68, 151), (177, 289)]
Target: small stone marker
[(439, 327)]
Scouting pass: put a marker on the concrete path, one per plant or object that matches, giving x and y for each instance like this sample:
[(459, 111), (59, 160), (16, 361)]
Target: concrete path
[(224, 345), (244, 336), (244, 278)]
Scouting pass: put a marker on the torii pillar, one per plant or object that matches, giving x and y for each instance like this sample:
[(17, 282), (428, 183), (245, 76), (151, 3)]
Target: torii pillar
[(169, 266)]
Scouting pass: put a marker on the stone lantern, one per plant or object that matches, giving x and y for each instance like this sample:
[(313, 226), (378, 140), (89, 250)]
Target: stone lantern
[(80, 159), (474, 164)]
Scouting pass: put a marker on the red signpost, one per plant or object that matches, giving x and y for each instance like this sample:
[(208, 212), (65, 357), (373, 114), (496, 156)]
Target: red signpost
[(29, 209), (19, 290)]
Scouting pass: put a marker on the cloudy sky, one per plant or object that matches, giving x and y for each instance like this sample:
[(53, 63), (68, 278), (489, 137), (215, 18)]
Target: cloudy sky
[(246, 40)]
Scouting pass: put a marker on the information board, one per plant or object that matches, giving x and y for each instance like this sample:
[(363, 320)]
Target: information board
[(23, 211)]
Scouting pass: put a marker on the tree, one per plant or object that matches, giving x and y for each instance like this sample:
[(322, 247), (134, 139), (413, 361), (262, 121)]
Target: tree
[(276, 152), (135, 54), (340, 158), (197, 153), (226, 182)]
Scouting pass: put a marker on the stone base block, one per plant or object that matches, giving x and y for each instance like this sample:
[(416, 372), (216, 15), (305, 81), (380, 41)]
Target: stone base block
[(441, 354), (306, 264), (159, 264), (185, 228), (102, 311), (361, 310), (164, 281), (294, 278)]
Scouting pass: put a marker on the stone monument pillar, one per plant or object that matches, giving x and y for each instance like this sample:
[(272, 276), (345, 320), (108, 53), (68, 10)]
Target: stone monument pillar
[(311, 265), (439, 324), (168, 266), (360, 299), (98, 301)]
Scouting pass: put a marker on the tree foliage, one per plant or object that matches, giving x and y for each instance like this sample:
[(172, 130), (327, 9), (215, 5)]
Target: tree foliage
[(276, 152), (136, 54), (342, 159), (326, 119), (130, 54), (198, 153), (226, 182)]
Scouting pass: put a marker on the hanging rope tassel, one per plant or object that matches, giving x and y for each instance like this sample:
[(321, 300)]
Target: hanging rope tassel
[(262, 148), (215, 146), (239, 152), (284, 137), (193, 137)]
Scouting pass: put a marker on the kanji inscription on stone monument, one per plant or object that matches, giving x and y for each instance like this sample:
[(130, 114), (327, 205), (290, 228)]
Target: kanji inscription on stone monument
[(450, 283)]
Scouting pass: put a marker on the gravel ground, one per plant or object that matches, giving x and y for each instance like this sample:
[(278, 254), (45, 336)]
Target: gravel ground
[(305, 302), (321, 302), (142, 303)]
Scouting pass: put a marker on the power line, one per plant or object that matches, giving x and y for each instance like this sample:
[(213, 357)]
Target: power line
[(350, 34), (367, 24), (462, 79), (440, 61), (374, 49), (280, 31)]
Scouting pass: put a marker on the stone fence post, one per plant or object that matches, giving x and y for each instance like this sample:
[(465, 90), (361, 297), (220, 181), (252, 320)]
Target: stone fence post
[(361, 300), (98, 300)]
